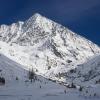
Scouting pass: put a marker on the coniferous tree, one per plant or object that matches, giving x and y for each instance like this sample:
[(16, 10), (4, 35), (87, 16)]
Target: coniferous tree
[(32, 75)]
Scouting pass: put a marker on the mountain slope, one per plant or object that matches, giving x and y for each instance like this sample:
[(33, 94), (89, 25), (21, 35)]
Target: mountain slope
[(88, 72), (10, 69)]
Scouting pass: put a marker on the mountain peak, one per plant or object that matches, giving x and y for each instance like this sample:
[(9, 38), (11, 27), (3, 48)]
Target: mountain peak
[(36, 18), (40, 22), (37, 15)]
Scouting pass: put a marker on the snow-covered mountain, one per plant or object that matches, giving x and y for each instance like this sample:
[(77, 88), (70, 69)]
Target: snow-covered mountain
[(45, 45), (54, 52)]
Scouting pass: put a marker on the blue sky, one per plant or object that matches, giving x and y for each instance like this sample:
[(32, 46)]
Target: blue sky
[(81, 16)]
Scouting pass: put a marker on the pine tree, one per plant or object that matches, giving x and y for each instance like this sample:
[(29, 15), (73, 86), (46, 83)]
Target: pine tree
[(32, 75)]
